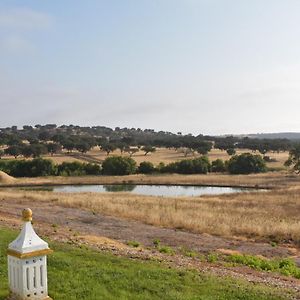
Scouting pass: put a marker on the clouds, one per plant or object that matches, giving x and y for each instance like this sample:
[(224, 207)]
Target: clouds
[(24, 19), (191, 66), (14, 44), (17, 26)]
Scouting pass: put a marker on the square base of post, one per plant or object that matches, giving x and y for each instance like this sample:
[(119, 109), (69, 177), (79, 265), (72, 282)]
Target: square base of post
[(15, 297)]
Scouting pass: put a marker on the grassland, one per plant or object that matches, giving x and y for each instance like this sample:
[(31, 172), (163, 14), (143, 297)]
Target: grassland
[(264, 180), (76, 273), (269, 215), (160, 155)]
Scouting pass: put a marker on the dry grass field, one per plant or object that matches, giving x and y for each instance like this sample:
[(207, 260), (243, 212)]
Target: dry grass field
[(161, 155), (262, 180), (170, 155), (272, 215)]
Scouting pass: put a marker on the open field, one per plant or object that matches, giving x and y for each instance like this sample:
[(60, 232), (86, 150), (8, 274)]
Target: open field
[(263, 180), (170, 155), (103, 276), (270, 215), (180, 249), (161, 155)]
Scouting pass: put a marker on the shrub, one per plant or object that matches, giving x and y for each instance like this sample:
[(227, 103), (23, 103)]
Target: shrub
[(199, 165), (146, 167), (78, 169), (44, 167), (231, 151), (156, 242), (212, 257), (246, 163), (29, 168), (92, 169), (118, 165), (133, 244), (284, 266), (166, 250), (218, 165)]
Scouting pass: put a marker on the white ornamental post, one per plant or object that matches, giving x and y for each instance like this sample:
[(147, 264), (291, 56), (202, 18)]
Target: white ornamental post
[(27, 263)]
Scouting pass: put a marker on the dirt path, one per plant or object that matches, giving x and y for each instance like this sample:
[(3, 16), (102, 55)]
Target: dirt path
[(86, 158), (110, 233), (87, 222)]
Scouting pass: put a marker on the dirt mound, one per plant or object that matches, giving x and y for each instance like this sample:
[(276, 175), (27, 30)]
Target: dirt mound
[(5, 178)]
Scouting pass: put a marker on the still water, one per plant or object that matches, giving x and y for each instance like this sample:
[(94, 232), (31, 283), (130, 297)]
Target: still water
[(151, 190)]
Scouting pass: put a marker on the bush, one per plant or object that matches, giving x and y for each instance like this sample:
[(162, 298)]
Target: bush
[(29, 168), (134, 244), (146, 167), (199, 165), (284, 266), (78, 169), (118, 165), (45, 167), (246, 163), (218, 165), (92, 169)]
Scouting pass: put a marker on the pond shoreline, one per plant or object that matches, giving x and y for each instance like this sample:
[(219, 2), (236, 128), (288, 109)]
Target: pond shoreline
[(56, 184), (268, 181)]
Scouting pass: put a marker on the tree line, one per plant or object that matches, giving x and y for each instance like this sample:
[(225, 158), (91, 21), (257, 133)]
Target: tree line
[(119, 165), (33, 141)]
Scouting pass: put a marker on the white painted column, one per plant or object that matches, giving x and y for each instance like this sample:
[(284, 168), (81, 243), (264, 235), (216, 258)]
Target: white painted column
[(27, 263)]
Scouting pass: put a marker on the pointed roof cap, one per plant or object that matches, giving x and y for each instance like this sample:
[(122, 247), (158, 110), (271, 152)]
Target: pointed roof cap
[(27, 241)]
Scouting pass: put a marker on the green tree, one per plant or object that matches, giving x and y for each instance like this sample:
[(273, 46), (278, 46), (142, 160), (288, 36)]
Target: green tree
[(83, 147), (148, 149), (294, 159), (218, 165), (131, 150), (108, 147), (203, 147), (1, 153), (146, 167), (199, 165), (118, 165), (69, 145), (13, 150), (34, 150), (53, 148), (246, 163), (231, 151)]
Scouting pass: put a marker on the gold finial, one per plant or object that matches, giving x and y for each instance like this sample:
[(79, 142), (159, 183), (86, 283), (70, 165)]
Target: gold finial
[(27, 215)]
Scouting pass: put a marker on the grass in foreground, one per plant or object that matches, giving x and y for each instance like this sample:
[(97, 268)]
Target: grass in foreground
[(283, 266), (76, 273)]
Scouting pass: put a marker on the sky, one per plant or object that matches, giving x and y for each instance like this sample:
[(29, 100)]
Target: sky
[(194, 66)]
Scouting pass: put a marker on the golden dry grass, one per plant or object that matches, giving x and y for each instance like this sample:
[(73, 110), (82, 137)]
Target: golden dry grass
[(271, 179), (161, 155), (272, 215), (5, 178), (170, 155)]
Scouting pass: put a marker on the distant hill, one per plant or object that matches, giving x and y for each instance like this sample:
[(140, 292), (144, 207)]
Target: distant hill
[(279, 135)]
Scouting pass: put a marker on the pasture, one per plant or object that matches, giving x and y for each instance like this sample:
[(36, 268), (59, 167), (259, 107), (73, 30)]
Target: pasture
[(83, 273), (163, 155)]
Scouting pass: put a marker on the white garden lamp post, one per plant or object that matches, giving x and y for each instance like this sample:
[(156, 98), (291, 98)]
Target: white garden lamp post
[(27, 263)]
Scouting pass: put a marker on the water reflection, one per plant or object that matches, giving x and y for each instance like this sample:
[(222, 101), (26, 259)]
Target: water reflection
[(38, 188), (152, 190), (119, 187)]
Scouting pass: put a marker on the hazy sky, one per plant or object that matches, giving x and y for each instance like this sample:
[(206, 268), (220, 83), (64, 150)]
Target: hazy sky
[(200, 66)]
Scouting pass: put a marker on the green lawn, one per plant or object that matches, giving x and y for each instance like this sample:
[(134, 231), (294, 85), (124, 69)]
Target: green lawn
[(76, 273)]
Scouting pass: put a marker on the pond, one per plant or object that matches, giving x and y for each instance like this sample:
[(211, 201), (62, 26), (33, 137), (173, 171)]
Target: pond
[(151, 190)]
